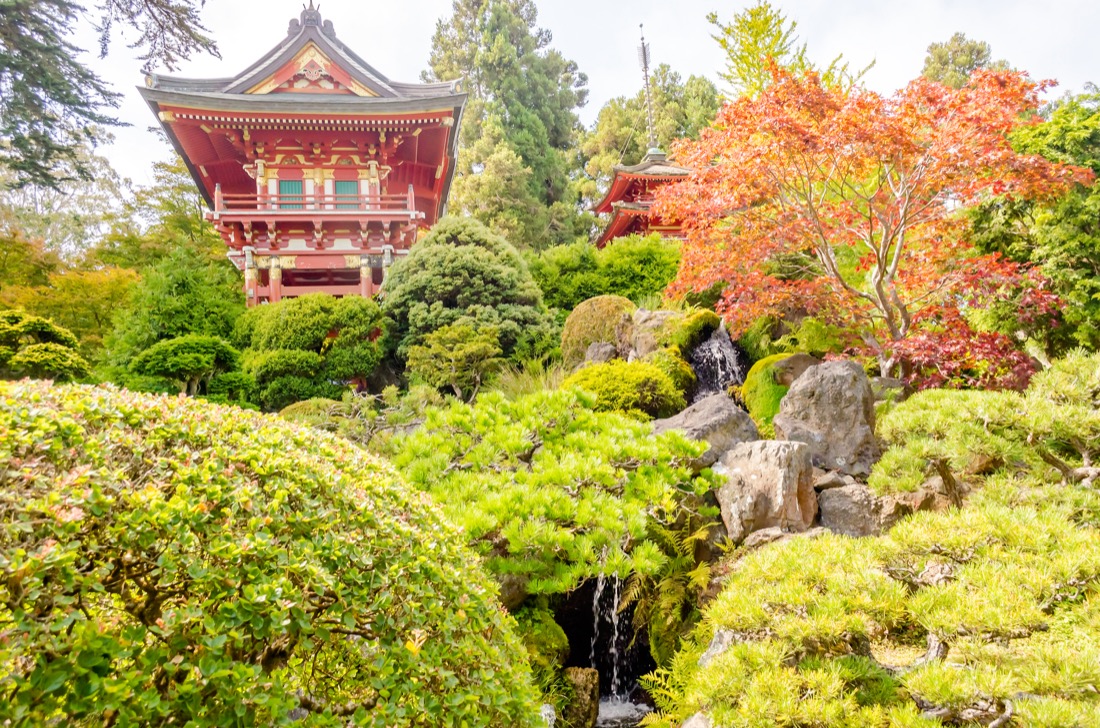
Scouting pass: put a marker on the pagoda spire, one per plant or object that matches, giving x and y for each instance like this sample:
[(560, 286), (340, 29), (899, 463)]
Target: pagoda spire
[(643, 58)]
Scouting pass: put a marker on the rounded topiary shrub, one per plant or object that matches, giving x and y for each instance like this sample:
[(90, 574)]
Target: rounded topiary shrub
[(593, 321), (636, 388), (173, 562), (762, 394)]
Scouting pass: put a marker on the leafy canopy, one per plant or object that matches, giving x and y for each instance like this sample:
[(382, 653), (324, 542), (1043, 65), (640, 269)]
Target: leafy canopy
[(459, 357), (188, 361), (169, 561), (841, 204)]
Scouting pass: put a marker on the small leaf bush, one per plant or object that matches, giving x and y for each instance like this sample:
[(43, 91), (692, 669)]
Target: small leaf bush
[(166, 561), (636, 389), (31, 346)]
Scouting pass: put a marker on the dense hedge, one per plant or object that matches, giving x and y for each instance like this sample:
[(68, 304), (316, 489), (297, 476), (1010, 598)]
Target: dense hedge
[(171, 562), (637, 389)]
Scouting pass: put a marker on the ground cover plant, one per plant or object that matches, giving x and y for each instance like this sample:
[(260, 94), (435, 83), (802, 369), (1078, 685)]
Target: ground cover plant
[(169, 561)]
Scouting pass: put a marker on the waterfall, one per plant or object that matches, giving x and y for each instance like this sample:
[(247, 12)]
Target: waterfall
[(616, 708), (717, 365)]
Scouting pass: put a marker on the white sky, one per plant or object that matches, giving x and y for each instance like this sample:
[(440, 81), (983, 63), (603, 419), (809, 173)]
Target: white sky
[(1054, 39)]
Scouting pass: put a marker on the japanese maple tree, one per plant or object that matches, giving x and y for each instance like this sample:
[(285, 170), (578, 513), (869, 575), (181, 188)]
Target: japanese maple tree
[(845, 204)]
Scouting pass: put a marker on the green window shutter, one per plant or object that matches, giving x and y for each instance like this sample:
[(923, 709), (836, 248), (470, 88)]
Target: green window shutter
[(347, 194), (290, 191)]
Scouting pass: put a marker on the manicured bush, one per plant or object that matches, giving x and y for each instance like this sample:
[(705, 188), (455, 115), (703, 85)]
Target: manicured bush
[(676, 368), (634, 267), (31, 346), (595, 320), (1052, 431), (189, 361), (956, 618), (173, 562), (762, 394), (548, 492), (458, 357), (461, 272), (636, 389), (286, 376)]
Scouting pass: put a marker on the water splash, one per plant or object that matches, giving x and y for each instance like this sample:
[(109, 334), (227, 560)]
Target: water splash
[(616, 708), (716, 364)]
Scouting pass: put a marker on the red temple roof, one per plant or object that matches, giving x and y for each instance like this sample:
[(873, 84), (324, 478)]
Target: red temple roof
[(629, 198)]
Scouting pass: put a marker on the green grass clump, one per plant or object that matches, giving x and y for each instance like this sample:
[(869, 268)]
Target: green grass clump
[(174, 562), (593, 321), (762, 394), (636, 389)]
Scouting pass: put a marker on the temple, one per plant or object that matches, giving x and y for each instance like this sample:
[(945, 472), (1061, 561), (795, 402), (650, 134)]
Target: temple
[(629, 200), (317, 169)]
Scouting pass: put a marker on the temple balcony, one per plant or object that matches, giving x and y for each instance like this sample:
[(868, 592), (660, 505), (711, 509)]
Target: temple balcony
[(311, 207)]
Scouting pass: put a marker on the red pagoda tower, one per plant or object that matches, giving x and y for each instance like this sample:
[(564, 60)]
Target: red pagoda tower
[(318, 170), (630, 199)]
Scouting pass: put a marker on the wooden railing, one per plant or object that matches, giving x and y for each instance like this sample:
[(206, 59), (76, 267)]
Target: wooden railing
[(334, 204)]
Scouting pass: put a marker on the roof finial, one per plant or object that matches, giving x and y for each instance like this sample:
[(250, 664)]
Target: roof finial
[(311, 15), (643, 58)]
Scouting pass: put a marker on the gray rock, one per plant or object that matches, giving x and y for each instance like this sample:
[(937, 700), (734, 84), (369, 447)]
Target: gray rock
[(513, 591), (699, 720), (776, 535), (829, 479), (787, 371), (856, 511), (584, 709), (723, 640), (639, 339), (718, 421), (768, 485), (600, 352), (831, 408)]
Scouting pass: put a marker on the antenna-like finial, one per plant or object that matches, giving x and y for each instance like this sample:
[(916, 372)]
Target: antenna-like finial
[(643, 58)]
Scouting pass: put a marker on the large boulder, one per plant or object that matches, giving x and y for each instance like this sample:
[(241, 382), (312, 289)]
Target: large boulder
[(644, 334), (831, 408), (594, 321), (855, 510), (769, 485), (718, 421), (583, 710)]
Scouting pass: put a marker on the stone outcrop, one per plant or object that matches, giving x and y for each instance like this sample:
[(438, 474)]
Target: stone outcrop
[(718, 421), (855, 510), (788, 370), (584, 709), (600, 352), (768, 485), (639, 336), (831, 409)]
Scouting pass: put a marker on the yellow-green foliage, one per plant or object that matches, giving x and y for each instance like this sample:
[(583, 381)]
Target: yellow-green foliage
[(1057, 420), (636, 389), (312, 412), (762, 394), (675, 367), (593, 321), (810, 335), (174, 562), (827, 631), (687, 331)]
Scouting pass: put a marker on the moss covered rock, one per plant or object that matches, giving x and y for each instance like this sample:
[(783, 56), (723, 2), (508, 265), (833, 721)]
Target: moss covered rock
[(637, 389), (595, 320), (676, 368), (687, 331), (170, 561), (762, 394)]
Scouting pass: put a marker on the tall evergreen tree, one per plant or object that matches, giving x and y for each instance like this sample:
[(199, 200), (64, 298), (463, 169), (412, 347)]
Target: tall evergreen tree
[(952, 62), (521, 126)]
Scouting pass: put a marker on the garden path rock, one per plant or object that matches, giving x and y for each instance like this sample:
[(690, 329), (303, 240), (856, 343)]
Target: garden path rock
[(855, 510), (769, 484), (831, 408), (716, 420)]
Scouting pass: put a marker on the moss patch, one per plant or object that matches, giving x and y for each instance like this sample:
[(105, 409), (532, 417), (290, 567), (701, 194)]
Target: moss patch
[(762, 394), (687, 332)]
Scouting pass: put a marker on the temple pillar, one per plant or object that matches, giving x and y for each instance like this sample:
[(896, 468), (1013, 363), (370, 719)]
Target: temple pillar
[(251, 277), (387, 261), (276, 280), (366, 277)]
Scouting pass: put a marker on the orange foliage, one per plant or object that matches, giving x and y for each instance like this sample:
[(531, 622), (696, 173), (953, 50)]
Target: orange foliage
[(845, 203)]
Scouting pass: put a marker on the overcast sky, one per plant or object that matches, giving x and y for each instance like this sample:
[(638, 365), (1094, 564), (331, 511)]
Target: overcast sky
[(1055, 39)]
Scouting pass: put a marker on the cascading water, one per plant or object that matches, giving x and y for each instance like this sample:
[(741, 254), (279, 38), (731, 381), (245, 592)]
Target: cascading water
[(609, 648), (717, 365)]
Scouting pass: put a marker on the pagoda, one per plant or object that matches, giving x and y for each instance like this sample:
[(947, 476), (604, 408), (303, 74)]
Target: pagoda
[(317, 169), (630, 198)]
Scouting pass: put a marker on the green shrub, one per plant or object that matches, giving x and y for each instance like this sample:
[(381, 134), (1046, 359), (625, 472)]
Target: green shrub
[(762, 394), (636, 389), (286, 376), (463, 273), (173, 562), (315, 412), (595, 320), (548, 492), (827, 631), (31, 346), (675, 368), (458, 357), (529, 377), (1051, 431), (188, 361), (810, 335), (634, 267)]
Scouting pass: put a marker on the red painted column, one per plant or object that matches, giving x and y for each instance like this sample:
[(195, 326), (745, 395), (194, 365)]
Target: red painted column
[(276, 280)]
